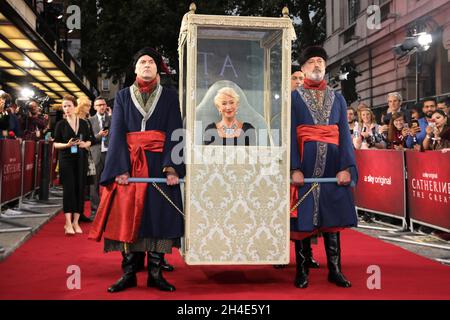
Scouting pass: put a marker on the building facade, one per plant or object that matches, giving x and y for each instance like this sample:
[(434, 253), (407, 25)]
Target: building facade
[(34, 56), (364, 32)]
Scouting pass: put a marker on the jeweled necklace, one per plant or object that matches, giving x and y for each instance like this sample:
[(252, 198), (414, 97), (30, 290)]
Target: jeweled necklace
[(230, 131)]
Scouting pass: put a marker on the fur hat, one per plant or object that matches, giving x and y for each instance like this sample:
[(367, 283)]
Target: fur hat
[(313, 51), (147, 51), (295, 68)]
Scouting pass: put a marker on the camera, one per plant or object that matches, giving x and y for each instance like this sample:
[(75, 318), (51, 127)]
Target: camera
[(415, 124)]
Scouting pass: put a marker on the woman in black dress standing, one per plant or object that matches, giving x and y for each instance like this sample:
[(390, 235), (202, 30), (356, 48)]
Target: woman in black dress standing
[(72, 138), (229, 131)]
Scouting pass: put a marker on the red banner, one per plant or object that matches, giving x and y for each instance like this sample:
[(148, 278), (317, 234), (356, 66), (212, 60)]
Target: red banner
[(29, 166), (429, 187), (381, 183), (54, 174), (11, 166), (39, 147)]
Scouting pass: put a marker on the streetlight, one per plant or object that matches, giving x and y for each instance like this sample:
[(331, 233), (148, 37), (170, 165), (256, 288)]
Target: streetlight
[(417, 43)]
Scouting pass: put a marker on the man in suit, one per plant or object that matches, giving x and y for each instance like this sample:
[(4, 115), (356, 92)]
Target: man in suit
[(100, 126)]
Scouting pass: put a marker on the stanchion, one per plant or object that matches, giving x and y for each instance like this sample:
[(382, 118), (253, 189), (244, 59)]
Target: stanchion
[(21, 210), (44, 182)]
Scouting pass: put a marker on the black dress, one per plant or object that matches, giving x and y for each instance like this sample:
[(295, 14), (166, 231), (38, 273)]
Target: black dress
[(246, 138), (73, 166)]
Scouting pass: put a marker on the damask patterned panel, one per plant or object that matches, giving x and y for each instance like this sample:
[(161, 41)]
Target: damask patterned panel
[(237, 213)]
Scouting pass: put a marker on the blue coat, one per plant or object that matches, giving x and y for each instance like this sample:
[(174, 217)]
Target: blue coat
[(160, 219), (423, 124), (330, 205)]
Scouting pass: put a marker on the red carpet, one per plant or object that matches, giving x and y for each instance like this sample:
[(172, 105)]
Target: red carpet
[(37, 270)]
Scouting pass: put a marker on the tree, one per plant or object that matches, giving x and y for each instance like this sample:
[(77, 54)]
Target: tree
[(114, 30), (309, 18)]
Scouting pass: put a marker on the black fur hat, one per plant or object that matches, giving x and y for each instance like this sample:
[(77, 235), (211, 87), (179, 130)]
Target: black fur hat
[(295, 68), (147, 51), (313, 51)]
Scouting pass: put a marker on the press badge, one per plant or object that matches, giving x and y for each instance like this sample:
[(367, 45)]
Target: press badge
[(74, 149)]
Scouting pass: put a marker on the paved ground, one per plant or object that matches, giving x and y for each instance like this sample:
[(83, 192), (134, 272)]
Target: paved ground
[(10, 241), (11, 220)]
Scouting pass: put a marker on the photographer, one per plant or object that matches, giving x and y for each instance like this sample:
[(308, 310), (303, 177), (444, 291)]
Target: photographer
[(9, 124), (35, 122)]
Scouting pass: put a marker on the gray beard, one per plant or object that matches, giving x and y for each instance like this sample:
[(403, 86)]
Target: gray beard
[(315, 76)]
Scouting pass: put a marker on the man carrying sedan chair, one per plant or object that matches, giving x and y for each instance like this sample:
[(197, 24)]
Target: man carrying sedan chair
[(321, 147), (136, 218)]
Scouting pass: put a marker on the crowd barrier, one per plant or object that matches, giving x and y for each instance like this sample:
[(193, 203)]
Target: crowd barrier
[(429, 188), (20, 175), (408, 185)]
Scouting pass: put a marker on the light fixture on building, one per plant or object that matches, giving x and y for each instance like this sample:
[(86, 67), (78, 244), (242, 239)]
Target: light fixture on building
[(418, 42), (70, 31), (424, 40), (60, 17), (49, 1), (26, 93)]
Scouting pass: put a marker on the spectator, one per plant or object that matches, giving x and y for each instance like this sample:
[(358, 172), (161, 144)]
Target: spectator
[(417, 135), (438, 132), (394, 100), (369, 136), (8, 121), (351, 119), (72, 138), (443, 104), (35, 122), (398, 131), (415, 114)]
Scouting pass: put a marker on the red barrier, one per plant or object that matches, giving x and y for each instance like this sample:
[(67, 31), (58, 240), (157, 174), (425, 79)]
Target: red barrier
[(11, 170), (54, 174), (29, 166), (39, 146), (429, 188), (381, 183)]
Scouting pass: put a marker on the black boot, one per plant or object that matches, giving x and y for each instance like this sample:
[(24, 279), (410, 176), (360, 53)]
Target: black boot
[(333, 250), (140, 261), (301, 275), (128, 279), (310, 262), (155, 277), (165, 265)]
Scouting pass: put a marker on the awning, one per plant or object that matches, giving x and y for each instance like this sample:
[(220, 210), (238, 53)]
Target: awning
[(26, 60)]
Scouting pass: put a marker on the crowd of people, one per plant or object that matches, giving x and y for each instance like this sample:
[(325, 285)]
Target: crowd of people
[(400, 129), (27, 122)]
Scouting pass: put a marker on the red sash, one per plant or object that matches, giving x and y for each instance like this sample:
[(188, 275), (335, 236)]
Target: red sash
[(327, 134), (307, 133), (121, 207)]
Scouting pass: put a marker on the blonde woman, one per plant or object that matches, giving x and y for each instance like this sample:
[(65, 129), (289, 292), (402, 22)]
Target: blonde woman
[(229, 130), (369, 136)]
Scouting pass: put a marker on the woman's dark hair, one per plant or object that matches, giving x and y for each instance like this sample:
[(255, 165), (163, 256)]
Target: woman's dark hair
[(442, 113), (392, 128)]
